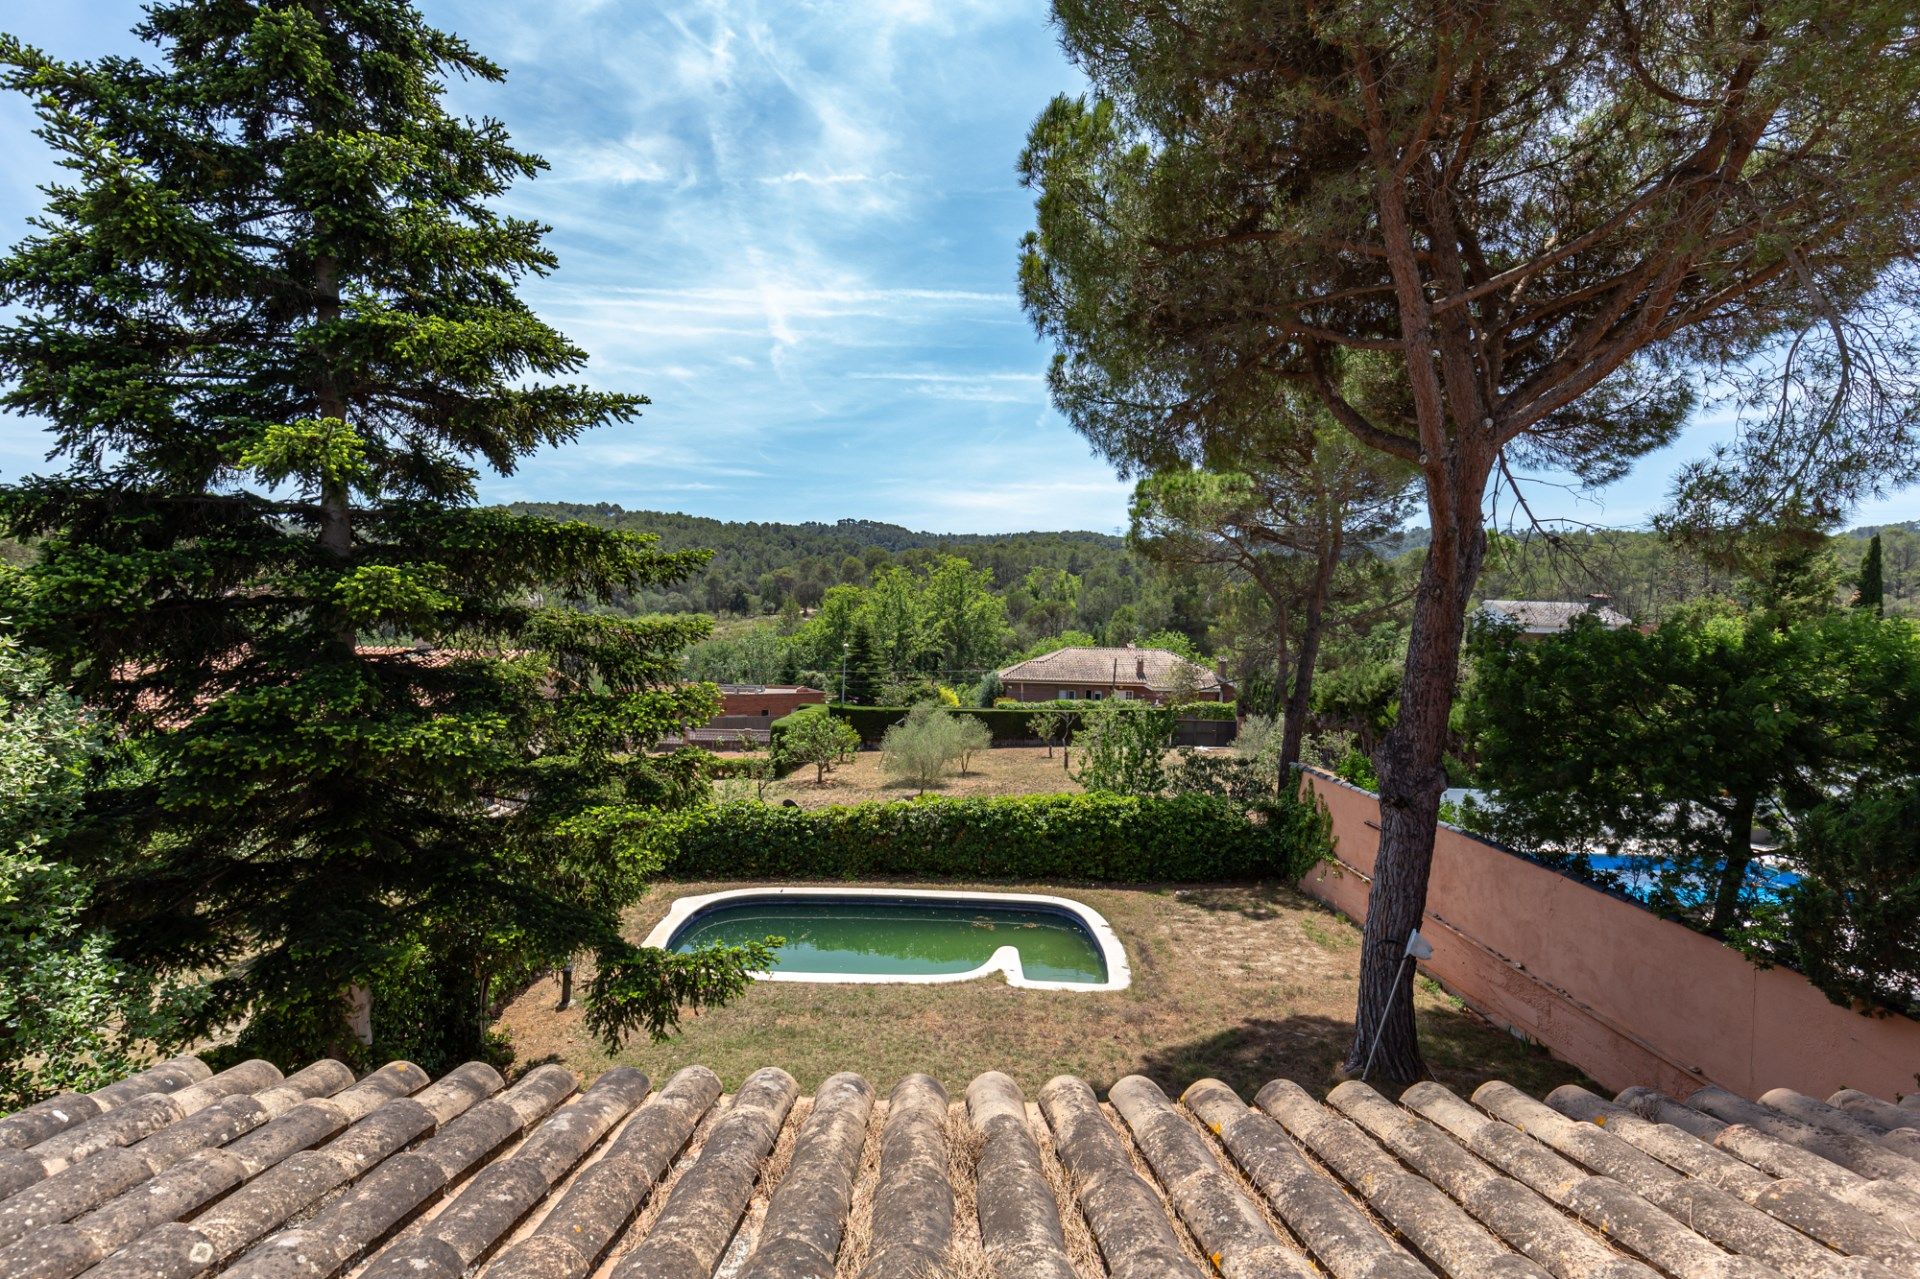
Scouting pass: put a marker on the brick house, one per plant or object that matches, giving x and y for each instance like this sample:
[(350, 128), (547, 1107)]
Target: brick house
[(1096, 674), (766, 701)]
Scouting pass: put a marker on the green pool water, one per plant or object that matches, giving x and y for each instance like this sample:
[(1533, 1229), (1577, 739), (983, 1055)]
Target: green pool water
[(897, 938)]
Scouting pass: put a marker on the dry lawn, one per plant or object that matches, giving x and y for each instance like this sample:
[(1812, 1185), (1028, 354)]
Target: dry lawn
[(1004, 770), (1245, 983)]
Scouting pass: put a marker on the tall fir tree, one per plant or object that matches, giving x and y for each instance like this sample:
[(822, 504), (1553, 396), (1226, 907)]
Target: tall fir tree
[(273, 323), (1871, 592)]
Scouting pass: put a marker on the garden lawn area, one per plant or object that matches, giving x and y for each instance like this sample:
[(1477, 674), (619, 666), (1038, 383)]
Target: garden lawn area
[(1242, 982)]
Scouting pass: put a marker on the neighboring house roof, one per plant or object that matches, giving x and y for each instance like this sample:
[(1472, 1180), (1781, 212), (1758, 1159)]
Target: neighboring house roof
[(768, 688), (177, 1172), (1550, 617), (1154, 667)]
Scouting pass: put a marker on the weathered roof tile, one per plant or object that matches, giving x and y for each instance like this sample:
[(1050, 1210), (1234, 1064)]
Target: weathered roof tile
[(396, 1177)]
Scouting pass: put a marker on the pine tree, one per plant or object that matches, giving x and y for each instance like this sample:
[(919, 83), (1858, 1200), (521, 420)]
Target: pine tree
[(272, 321), (1871, 592), (1543, 229), (862, 678)]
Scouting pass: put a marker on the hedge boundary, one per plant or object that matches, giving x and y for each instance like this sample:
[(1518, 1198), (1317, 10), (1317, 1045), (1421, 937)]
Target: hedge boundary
[(1089, 838)]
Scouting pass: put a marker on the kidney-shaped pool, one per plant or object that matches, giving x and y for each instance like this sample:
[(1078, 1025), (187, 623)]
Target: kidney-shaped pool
[(907, 935)]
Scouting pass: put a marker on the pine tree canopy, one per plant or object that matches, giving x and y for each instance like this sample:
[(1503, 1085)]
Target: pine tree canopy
[(1536, 231), (271, 318)]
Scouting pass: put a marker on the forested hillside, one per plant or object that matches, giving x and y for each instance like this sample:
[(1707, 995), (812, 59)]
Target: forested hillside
[(760, 569)]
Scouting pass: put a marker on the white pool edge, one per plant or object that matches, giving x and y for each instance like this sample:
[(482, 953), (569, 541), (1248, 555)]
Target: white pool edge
[(1004, 960)]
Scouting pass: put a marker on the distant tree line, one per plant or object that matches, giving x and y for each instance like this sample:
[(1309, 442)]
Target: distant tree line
[(773, 570)]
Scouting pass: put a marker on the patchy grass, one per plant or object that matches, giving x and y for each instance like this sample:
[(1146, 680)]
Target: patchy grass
[(1003, 770), (1245, 983)]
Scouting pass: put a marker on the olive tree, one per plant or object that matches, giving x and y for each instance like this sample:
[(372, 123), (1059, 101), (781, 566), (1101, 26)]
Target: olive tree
[(1481, 237)]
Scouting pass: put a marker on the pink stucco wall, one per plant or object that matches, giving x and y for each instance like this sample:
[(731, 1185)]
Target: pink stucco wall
[(1628, 997)]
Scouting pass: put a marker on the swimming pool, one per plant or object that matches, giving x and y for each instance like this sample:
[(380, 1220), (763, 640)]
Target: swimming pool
[(856, 935), (1638, 876)]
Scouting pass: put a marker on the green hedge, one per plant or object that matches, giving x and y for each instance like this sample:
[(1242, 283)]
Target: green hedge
[(1065, 838), (1005, 723)]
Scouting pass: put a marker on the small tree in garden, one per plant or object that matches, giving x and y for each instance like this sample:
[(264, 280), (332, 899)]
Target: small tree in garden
[(1123, 748), (819, 740), (1538, 229), (921, 747), (970, 736), (1054, 725)]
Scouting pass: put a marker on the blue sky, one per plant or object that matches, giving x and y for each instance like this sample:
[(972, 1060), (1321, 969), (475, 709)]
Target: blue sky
[(793, 225)]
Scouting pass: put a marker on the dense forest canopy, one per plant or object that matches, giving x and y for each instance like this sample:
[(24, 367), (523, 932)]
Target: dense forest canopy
[(759, 568)]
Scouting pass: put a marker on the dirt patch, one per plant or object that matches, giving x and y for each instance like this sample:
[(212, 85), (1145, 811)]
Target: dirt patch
[(1004, 770), (1244, 983)]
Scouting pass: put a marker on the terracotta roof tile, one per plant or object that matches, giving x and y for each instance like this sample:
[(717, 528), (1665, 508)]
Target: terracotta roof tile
[(178, 1172), (1156, 667)]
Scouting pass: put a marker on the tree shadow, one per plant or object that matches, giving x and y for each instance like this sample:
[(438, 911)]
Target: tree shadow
[(1264, 900), (1463, 1051)]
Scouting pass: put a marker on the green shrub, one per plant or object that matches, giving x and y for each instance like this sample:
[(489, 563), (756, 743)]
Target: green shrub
[(1121, 749), (919, 748), (778, 730), (1055, 838), (818, 740), (1208, 710)]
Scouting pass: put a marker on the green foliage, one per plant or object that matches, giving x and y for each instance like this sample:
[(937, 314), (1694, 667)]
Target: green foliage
[(1093, 838), (1853, 921), (1123, 748), (70, 1016), (1005, 724), (818, 740), (640, 988), (1679, 741), (921, 747), (1870, 590), (1071, 584), (270, 313)]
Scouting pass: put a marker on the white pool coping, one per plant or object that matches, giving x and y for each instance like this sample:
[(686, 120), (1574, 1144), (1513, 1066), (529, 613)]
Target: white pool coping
[(1005, 960)]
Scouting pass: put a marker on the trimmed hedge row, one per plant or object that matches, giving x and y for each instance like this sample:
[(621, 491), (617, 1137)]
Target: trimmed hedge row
[(872, 722), (1067, 838)]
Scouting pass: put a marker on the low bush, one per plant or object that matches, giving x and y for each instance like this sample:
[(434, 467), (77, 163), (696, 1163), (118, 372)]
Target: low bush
[(1065, 838), (1208, 710), (778, 730)]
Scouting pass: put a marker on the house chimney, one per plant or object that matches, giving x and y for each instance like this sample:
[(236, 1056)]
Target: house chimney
[(1597, 601), (1139, 668)]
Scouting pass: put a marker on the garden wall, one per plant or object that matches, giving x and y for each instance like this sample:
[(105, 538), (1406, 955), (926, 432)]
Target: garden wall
[(1627, 996)]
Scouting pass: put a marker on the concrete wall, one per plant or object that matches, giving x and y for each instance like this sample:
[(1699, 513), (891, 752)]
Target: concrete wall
[(1628, 997)]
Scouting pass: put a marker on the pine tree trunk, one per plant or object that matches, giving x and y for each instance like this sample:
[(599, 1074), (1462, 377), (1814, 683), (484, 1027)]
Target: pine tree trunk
[(1293, 726), (1733, 873), (1412, 766)]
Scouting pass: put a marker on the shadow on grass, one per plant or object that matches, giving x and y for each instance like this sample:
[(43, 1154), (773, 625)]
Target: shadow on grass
[(1260, 901), (1462, 1049)]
